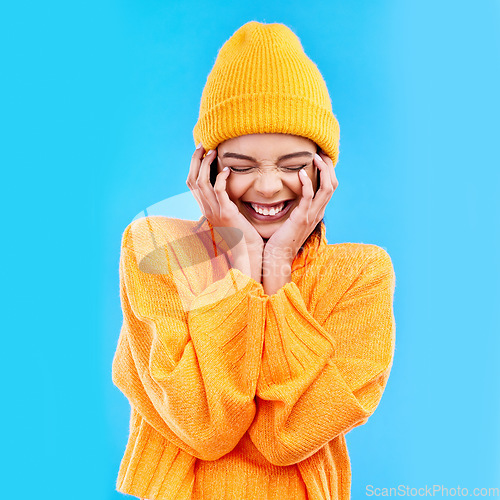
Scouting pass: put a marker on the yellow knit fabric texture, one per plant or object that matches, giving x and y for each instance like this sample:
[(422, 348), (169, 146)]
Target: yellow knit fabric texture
[(263, 82), (235, 394)]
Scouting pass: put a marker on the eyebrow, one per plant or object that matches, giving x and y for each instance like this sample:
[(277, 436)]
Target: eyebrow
[(284, 157)]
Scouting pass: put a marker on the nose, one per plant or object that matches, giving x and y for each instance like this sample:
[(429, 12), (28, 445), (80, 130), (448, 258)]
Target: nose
[(268, 183)]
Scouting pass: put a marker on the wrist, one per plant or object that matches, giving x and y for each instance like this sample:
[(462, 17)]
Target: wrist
[(273, 269), (275, 274), (249, 264), (283, 255)]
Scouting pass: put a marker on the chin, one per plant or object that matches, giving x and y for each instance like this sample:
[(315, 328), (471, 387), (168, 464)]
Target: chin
[(266, 233)]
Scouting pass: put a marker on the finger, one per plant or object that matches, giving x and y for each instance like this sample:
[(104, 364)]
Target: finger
[(331, 169), (226, 205), (335, 181), (325, 192), (305, 203), (326, 189), (230, 214), (194, 169), (203, 184), (317, 208)]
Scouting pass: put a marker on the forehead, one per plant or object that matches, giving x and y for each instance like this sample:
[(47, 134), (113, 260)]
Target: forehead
[(266, 146)]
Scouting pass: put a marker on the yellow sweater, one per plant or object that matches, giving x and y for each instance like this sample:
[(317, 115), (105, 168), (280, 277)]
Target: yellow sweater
[(239, 395)]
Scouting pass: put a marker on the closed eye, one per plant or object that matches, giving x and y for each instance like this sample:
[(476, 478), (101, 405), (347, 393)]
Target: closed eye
[(295, 169), (241, 170), (248, 169)]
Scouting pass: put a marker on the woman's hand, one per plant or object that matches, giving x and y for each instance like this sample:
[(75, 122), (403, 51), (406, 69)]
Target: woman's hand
[(222, 213), (282, 247)]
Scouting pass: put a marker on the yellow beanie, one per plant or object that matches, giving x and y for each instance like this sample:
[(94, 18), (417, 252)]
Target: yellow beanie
[(263, 82)]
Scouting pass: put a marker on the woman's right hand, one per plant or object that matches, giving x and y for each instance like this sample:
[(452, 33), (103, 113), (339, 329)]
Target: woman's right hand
[(222, 213)]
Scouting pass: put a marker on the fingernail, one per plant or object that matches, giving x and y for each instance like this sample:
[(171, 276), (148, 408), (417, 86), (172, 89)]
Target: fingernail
[(318, 157), (199, 146), (303, 172), (210, 152)]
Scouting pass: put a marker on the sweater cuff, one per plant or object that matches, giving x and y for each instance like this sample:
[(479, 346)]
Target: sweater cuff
[(288, 300), (296, 346), (231, 289)]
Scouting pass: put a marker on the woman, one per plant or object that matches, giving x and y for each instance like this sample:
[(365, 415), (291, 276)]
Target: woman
[(258, 175), (250, 346)]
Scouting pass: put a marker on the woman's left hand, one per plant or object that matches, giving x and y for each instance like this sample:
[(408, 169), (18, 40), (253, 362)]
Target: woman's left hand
[(287, 240)]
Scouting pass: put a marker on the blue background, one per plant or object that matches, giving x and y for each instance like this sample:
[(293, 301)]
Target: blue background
[(98, 103)]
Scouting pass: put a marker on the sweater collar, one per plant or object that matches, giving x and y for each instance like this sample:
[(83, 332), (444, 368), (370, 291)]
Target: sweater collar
[(310, 251)]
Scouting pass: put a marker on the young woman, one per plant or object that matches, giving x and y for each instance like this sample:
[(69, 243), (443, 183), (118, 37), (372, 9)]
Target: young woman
[(250, 346), (264, 187)]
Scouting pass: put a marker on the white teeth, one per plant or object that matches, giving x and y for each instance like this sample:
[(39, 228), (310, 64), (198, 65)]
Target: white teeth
[(267, 211)]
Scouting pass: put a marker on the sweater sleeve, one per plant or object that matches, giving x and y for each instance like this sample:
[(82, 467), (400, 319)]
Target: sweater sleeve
[(191, 375), (322, 377)]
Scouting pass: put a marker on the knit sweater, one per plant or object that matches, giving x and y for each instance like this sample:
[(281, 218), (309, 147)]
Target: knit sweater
[(235, 394)]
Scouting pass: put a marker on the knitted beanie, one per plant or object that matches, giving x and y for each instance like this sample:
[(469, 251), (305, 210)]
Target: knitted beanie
[(263, 82)]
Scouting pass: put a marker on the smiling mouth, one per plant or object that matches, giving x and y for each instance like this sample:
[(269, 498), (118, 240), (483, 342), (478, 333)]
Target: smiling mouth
[(269, 212)]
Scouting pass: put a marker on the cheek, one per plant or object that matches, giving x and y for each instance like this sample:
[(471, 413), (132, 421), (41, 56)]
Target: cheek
[(296, 186), (235, 188)]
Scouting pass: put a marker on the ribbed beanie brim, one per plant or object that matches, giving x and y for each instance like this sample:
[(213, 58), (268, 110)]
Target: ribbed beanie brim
[(263, 82)]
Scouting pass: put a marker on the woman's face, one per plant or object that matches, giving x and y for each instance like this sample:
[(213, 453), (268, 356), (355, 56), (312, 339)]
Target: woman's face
[(265, 172)]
